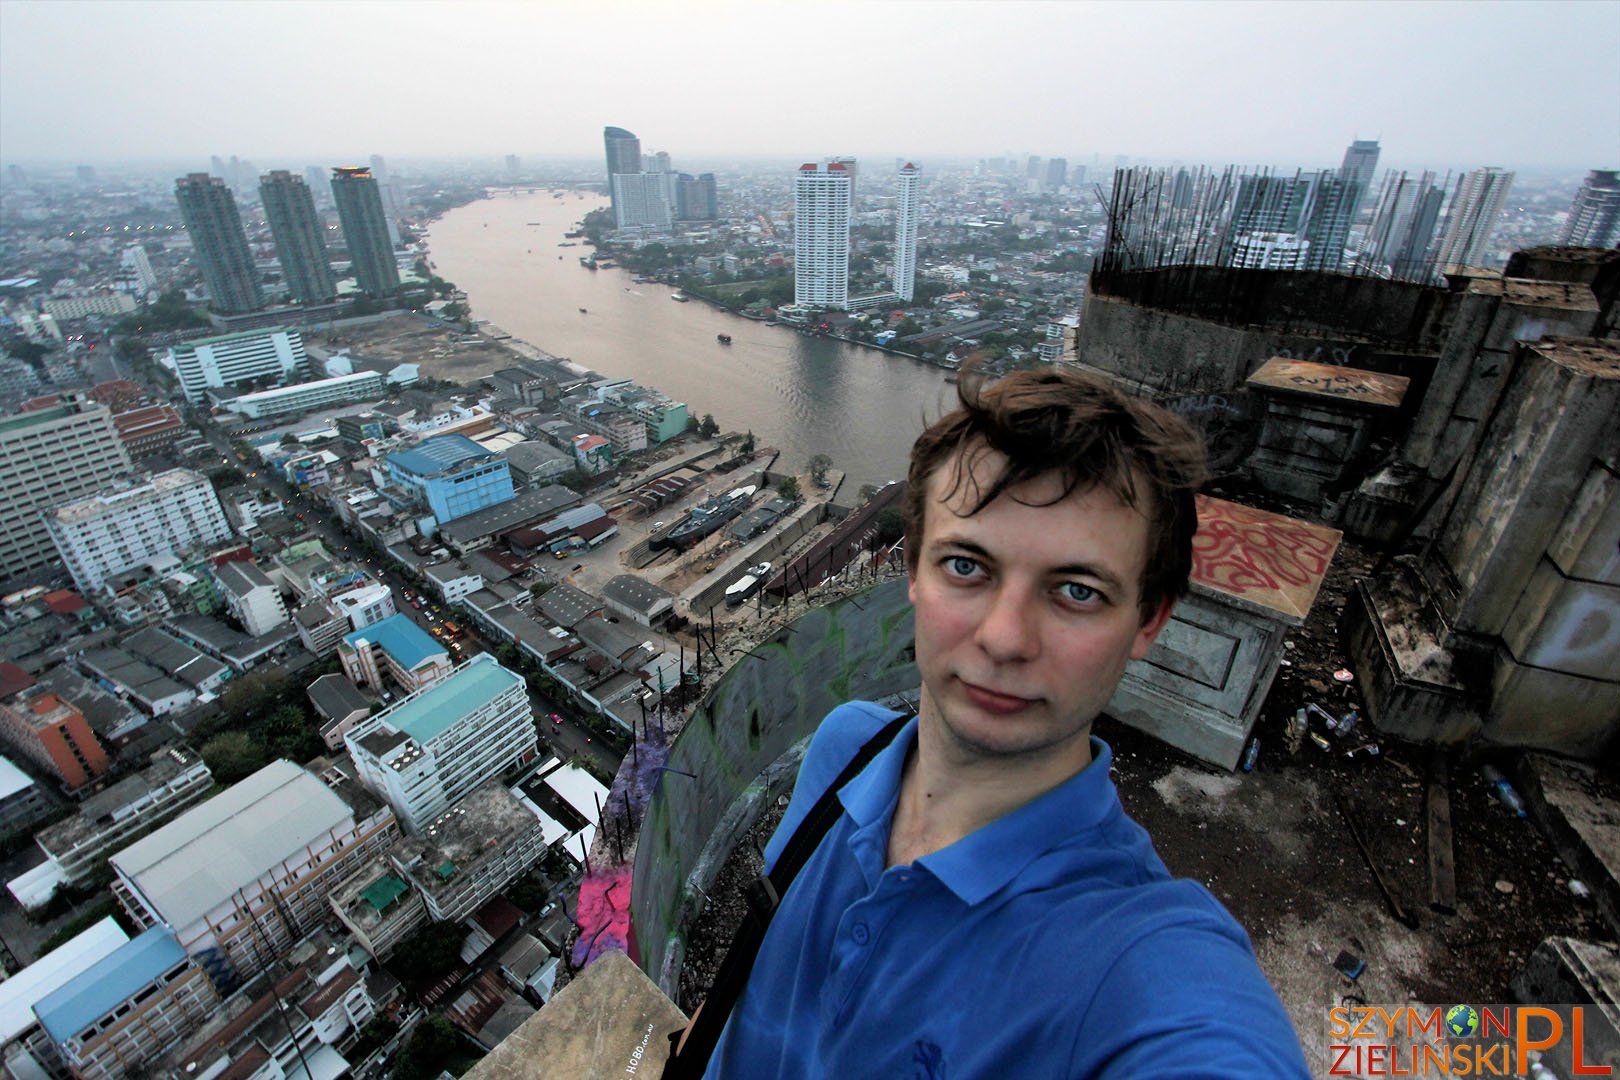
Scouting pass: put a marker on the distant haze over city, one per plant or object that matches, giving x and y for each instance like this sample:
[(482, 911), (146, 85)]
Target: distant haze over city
[(1439, 85)]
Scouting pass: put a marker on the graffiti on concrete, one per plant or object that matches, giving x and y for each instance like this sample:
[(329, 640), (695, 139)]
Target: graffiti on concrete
[(1342, 355), (1327, 380), (1263, 558)]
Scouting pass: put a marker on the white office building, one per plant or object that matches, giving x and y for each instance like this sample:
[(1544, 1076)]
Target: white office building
[(907, 191), (436, 745), (238, 361), (1471, 220), (821, 201), (642, 199), (303, 397), (135, 521)]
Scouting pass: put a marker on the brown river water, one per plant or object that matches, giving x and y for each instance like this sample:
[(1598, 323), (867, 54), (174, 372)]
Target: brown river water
[(800, 394)]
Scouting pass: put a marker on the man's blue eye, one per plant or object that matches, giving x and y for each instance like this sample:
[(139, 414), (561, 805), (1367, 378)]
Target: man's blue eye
[(1080, 594), (961, 565)]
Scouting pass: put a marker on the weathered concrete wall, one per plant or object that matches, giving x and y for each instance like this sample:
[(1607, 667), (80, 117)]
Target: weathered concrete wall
[(768, 702)]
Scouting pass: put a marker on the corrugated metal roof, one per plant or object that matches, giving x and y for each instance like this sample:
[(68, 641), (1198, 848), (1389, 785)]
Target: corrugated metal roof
[(435, 455), (427, 714), (55, 969), (103, 985), (199, 859), (400, 638)]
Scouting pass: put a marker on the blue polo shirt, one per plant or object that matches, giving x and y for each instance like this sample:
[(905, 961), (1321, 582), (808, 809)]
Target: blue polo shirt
[(1050, 943)]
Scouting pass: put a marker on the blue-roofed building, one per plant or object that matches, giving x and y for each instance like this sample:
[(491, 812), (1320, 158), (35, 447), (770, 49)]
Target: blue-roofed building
[(395, 648), (440, 743), (129, 1007), (452, 476)]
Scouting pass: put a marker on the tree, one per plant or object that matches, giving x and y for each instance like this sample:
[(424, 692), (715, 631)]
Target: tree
[(867, 491), (234, 756), (747, 447), (707, 427), (429, 1049), (429, 954), (455, 310), (818, 466), (789, 488)]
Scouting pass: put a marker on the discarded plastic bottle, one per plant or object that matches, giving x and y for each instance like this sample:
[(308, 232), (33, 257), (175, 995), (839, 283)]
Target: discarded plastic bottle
[(1347, 723), (1251, 754), (1578, 889), (1504, 790)]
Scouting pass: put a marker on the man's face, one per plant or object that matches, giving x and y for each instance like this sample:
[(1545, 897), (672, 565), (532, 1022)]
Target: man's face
[(1026, 613)]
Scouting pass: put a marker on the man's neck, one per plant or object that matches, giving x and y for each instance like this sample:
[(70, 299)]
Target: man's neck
[(946, 795)]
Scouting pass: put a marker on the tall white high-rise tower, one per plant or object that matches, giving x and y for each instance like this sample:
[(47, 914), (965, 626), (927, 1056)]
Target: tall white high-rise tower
[(821, 199), (905, 230), (1471, 220)]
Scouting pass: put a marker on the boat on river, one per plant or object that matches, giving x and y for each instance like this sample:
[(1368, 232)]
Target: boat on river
[(582, 311), (679, 298), (706, 518), (724, 339)]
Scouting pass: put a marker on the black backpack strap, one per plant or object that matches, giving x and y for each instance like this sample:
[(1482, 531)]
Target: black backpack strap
[(764, 894)]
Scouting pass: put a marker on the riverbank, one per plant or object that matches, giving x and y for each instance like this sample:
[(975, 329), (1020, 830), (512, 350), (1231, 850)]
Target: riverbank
[(807, 332)]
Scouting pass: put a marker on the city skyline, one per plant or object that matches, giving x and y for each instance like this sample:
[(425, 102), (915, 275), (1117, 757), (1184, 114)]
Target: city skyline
[(1116, 80)]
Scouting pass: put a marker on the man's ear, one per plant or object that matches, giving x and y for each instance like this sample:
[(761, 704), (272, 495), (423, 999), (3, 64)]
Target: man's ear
[(1150, 629)]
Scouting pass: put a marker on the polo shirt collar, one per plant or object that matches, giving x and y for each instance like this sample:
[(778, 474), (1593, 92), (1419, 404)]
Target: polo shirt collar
[(984, 861)]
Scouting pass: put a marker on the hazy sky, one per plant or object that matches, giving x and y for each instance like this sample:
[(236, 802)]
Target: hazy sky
[(283, 81)]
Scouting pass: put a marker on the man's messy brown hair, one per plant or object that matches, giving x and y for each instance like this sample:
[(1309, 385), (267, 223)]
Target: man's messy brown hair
[(1091, 433)]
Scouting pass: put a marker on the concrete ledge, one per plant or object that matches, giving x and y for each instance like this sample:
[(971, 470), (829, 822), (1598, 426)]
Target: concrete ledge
[(1566, 973), (1578, 812), (610, 1023)]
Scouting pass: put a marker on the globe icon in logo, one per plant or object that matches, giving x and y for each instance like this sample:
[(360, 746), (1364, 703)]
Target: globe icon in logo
[(1462, 1022)]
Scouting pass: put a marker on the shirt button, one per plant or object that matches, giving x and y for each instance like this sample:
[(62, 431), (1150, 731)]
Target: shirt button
[(860, 933)]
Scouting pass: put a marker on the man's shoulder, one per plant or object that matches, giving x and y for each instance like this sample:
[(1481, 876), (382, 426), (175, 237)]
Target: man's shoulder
[(841, 735), (834, 745)]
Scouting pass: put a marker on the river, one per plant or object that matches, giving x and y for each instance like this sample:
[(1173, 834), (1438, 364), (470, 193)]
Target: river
[(800, 394)]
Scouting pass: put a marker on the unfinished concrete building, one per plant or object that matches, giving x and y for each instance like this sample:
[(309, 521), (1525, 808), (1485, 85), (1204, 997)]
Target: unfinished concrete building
[(1467, 428)]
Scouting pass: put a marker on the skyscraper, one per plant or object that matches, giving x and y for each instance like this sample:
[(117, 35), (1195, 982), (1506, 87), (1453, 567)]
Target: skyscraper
[(623, 151), (696, 198), (1471, 219), (1403, 225), (641, 199), (905, 230), (1594, 216), (1328, 216), (365, 229), (1361, 165), (300, 240), (218, 243), (1057, 173), (623, 157), (821, 202), (850, 167)]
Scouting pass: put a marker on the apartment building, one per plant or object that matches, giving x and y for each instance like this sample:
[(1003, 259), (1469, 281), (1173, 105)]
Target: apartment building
[(395, 648), (434, 747), (55, 736), (127, 1008), (175, 779), (251, 596), (132, 522), (48, 457), (471, 851), (243, 876)]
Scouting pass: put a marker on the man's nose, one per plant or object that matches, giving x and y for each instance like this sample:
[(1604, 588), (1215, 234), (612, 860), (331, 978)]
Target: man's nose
[(1008, 630)]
